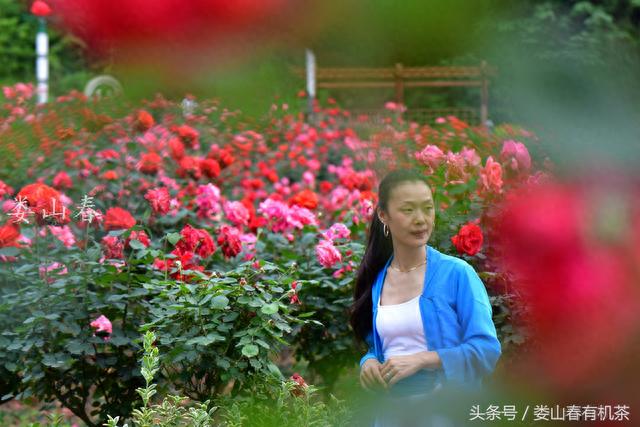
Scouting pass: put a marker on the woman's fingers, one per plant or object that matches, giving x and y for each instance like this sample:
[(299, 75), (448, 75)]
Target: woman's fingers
[(366, 379), (363, 382), (371, 377)]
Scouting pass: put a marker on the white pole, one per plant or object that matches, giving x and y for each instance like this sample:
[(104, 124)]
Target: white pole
[(42, 62), (311, 78)]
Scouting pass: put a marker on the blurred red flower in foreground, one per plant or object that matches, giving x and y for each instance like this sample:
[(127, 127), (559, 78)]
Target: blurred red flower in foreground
[(40, 9), (46, 203), (468, 240), (570, 249), (121, 23)]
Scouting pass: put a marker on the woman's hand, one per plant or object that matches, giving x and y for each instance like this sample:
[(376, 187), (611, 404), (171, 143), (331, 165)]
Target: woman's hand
[(370, 375), (396, 368)]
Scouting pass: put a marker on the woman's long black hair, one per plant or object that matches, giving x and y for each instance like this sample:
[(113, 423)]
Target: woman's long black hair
[(379, 249)]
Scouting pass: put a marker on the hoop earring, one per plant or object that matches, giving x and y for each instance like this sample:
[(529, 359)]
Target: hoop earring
[(385, 229)]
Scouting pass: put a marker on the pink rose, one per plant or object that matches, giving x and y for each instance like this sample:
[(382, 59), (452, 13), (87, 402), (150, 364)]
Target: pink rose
[(431, 156), (64, 234), (471, 157), (516, 155), (113, 247), (327, 254), (337, 231), (53, 267), (102, 326), (456, 165), (159, 200), (491, 176), (237, 213)]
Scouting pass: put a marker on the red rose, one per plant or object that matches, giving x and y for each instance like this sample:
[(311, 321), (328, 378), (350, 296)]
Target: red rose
[(196, 240), (210, 168), (144, 121), (468, 240), (188, 135), (45, 203), (118, 219), (110, 175), (325, 187), (229, 241), (177, 148), (150, 163), (5, 189), (62, 180), (159, 199), (306, 199), (186, 263), (189, 165), (113, 247), (301, 384), (140, 236), (9, 234), (223, 156)]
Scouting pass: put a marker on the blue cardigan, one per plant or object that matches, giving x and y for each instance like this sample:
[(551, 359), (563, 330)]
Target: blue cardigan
[(456, 317)]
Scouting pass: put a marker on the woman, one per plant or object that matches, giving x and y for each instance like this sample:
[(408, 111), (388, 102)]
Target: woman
[(424, 315)]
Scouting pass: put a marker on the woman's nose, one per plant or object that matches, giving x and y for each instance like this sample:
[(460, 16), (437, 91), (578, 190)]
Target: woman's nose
[(420, 217)]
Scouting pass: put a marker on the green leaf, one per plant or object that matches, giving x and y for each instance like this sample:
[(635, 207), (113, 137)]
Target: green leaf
[(56, 360), (78, 347), (263, 344), (250, 350), (223, 363), (9, 251), (94, 253), (219, 302), (206, 340), (270, 309), (136, 244), (173, 238), (307, 314)]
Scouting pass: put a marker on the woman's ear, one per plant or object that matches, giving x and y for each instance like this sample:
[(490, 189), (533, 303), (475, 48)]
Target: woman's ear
[(381, 215)]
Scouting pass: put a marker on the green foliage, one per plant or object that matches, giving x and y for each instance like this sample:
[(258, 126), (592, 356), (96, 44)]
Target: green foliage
[(327, 344), (270, 401), (219, 331), (17, 46), (216, 329), (172, 412)]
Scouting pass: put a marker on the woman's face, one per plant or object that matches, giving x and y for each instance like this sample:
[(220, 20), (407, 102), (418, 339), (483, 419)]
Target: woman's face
[(410, 214)]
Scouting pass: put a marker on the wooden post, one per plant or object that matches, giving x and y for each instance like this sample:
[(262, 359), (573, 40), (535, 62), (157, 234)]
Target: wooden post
[(399, 84), (484, 97)]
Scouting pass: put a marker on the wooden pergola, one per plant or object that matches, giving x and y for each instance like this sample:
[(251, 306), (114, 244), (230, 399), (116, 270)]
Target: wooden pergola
[(400, 78)]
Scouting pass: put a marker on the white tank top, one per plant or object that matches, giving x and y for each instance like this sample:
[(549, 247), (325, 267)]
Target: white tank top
[(400, 328)]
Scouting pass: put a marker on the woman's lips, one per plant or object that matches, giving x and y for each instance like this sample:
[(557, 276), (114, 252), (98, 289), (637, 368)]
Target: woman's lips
[(420, 234)]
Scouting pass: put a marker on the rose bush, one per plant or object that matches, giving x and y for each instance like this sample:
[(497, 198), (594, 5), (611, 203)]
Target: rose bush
[(220, 233)]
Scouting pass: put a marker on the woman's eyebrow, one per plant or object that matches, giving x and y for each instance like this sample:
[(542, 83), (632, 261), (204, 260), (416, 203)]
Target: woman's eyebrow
[(424, 202)]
